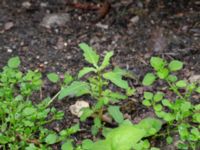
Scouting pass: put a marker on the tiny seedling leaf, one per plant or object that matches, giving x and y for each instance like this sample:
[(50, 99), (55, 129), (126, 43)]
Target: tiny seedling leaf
[(149, 79), (116, 114), (157, 63), (175, 65), (85, 70), (14, 62), (53, 77), (89, 54)]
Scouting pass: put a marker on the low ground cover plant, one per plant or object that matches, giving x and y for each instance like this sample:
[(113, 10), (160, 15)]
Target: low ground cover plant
[(22, 123), (181, 115)]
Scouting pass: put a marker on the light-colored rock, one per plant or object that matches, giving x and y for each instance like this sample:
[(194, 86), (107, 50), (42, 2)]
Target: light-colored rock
[(26, 4), (8, 25), (76, 109), (135, 19), (59, 19)]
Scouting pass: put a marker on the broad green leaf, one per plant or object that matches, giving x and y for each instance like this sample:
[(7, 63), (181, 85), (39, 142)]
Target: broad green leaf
[(53, 77), (51, 138), (4, 139), (151, 126), (181, 83), (106, 60), (163, 73), (85, 70), (146, 103), (113, 95), (87, 144), (157, 63), (89, 54), (149, 79), (167, 103), (172, 78), (14, 62), (116, 78), (148, 95), (29, 111), (87, 112), (76, 88), (116, 114), (169, 140), (67, 146), (124, 137), (158, 96), (158, 107), (175, 65)]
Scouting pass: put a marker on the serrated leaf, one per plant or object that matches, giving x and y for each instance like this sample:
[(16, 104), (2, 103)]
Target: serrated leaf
[(146, 103), (51, 138), (163, 73), (85, 70), (53, 77), (157, 63), (158, 96), (106, 60), (149, 79), (89, 54), (148, 95), (116, 78), (116, 114), (14, 62), (76, 88), (175, 65)]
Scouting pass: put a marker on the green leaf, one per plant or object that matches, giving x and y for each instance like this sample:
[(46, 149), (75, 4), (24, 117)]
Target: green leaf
[(181, 83), (67, 78), (67, 146), (89, 54), (29, 111), (87, 144), (158, 96), (169, 140), (157, 63), (116, 78), (172, 78), (51, 138), (154, 148), (148, 95), (14, 62), (116, 114), (149, 79), (4, 139), (106, 60), (158, 107), (197, 89), (85, 70), (76, 88), (87, 112), (175, 65), (146, 103), (53, 77), (163, 73), (167, 103)]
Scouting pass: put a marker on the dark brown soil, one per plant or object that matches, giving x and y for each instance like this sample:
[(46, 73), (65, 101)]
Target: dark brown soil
[(135, 30)]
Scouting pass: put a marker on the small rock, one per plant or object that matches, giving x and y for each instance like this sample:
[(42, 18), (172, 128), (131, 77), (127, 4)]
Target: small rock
[(43, 4), (103, 26), (55, 19), (26, 4), (135, 19), (8, 25), (194, 78), (9, 50), (76, 108)]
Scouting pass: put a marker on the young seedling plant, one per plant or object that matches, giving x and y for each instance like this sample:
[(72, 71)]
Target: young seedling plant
[(179, 113), (97, 86)]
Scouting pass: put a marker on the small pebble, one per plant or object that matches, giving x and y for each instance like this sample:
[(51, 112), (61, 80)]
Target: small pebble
[(8, 25), (26, 4)]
